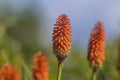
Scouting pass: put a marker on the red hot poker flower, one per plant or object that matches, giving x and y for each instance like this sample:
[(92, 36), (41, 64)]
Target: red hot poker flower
[(9, 72), (96, 47), (40, 68), (62, 37)]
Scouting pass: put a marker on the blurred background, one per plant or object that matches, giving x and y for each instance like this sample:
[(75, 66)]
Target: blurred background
[(26, 28)]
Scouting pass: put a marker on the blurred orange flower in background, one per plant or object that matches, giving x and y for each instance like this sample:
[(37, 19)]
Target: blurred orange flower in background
[(9, 72), (40, 68), (96, 47)]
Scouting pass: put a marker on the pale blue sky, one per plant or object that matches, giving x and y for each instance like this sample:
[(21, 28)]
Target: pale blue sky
[(83, 15)]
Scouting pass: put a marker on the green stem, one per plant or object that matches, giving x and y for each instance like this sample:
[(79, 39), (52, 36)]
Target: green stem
[(60, 65), (119, 77), (94, 74)]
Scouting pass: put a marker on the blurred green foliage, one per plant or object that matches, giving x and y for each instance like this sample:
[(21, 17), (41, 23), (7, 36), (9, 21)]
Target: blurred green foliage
[(19, 38), (19, 41)]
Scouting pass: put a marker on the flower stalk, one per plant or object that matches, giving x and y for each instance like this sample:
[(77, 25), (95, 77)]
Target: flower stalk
[(94, 74), (59, 71)]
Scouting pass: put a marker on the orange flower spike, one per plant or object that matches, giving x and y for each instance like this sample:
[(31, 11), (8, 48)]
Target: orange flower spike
[(62, 38), (118, 63), (119, 43), (9, 72), (96, 47), (40, 68)]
